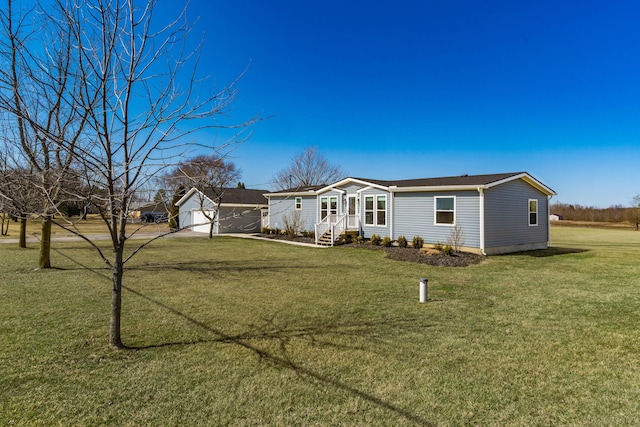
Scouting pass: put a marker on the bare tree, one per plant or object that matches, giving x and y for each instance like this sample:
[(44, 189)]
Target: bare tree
[(205, 172), (138, 87), (308, 168), (633, 213), (39, 88), (108, 103)]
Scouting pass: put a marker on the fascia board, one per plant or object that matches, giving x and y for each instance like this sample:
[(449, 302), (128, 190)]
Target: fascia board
[(351, 180), (434, 188), (291, 193), (186, 196), (526, 178), (241, 205)]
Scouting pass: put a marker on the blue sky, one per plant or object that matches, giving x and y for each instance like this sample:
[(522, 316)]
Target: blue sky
[(414, 89)]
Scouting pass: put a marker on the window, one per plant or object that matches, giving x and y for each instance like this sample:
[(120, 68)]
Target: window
[(381, 210), (324, 206), (533, 212), (368, 210), (375, 210), (333, 205), (445, 210), (298, 203)]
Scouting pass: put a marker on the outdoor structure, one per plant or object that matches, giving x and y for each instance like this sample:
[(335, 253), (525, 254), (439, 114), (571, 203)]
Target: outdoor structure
[(488, 214), (239, 210)]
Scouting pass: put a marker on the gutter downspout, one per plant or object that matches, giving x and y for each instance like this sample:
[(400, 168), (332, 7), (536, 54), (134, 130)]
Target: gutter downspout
[(549, 221), (481, 193), (391, 215)]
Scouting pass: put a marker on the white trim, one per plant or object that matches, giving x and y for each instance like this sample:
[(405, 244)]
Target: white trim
[(351, 180), (481, 208), (435, 188), (386, 210), (526, 178), (295, 203), (529, 212), (435, 211)]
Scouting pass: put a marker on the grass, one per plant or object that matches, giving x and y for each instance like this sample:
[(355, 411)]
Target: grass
[(239, 332), (92, 225)]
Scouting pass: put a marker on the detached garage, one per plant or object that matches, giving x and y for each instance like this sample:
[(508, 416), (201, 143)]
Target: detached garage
[(232, 210)]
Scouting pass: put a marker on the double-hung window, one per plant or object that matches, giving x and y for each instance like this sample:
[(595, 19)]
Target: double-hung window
[(533, 212), (324, 207), (445, 208), (375, 210), (298, 203)]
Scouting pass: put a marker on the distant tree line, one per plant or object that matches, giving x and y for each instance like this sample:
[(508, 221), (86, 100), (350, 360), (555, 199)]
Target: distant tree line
[(615, 213)]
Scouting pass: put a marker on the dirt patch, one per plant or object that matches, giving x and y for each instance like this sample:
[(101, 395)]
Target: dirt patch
[(460, 259)]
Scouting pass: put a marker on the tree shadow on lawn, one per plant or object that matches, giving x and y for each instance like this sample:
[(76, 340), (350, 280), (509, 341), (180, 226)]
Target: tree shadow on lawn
[(552, 251), (271, 331), (216, 266)]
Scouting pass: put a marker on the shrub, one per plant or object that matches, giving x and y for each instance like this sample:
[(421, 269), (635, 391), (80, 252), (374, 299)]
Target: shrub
[(308, 233), (265, 230), (447, 250), (418, 242), (386, 242), (402, 242), (438, 246), (456, 238), (375, 239), (292, 223), (359, 239)]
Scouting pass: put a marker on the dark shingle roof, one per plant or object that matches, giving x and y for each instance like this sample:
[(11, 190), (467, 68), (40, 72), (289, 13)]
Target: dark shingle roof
[(238, 196), (444, 181)]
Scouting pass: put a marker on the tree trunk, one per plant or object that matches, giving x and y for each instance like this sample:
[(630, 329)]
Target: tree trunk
[(115, 339), (211, 230), (22, 237), (45, 243)]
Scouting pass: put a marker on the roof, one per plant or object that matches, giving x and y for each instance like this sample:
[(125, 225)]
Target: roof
[(440, 183), (231, 196)]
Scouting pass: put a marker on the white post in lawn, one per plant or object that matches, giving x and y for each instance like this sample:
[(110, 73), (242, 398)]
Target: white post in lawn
[(424, 289)]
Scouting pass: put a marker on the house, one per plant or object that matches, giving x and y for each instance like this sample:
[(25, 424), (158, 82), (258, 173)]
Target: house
[(488, 214), (239, 210)]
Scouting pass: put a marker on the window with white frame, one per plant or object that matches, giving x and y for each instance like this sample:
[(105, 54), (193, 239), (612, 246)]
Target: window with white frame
[(445, 208), (533, 212), (298, 203), (368, 210), (381, 210), (375, 210), (324, 207)]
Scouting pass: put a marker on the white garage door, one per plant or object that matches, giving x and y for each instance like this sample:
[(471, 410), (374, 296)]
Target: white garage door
[(201, 223)]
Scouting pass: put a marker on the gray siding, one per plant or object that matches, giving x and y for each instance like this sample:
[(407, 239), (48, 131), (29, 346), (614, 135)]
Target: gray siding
[(280, 206), (238, 220), (414, 216), (191, 204), (507, 215)]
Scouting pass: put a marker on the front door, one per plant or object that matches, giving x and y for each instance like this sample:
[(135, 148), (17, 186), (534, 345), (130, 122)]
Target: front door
[(352, 220)]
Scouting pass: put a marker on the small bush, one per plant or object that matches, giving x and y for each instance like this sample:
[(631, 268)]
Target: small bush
[(375, 239), (402, 242), (447, 250), (386, 242), (359, 239), (275, 231), (264, 230), (438, 246), (418, 242), (308, 233)]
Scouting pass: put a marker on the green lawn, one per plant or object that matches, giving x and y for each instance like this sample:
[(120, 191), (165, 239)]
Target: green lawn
[(240, 332)]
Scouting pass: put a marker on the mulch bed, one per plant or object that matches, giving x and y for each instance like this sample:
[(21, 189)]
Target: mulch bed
[(460, 259)]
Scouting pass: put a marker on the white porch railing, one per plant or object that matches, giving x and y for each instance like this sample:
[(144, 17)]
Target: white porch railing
[(336, 224)]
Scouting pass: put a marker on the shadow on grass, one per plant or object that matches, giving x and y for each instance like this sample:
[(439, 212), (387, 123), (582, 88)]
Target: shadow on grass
[(272, 331), (552, 251)]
